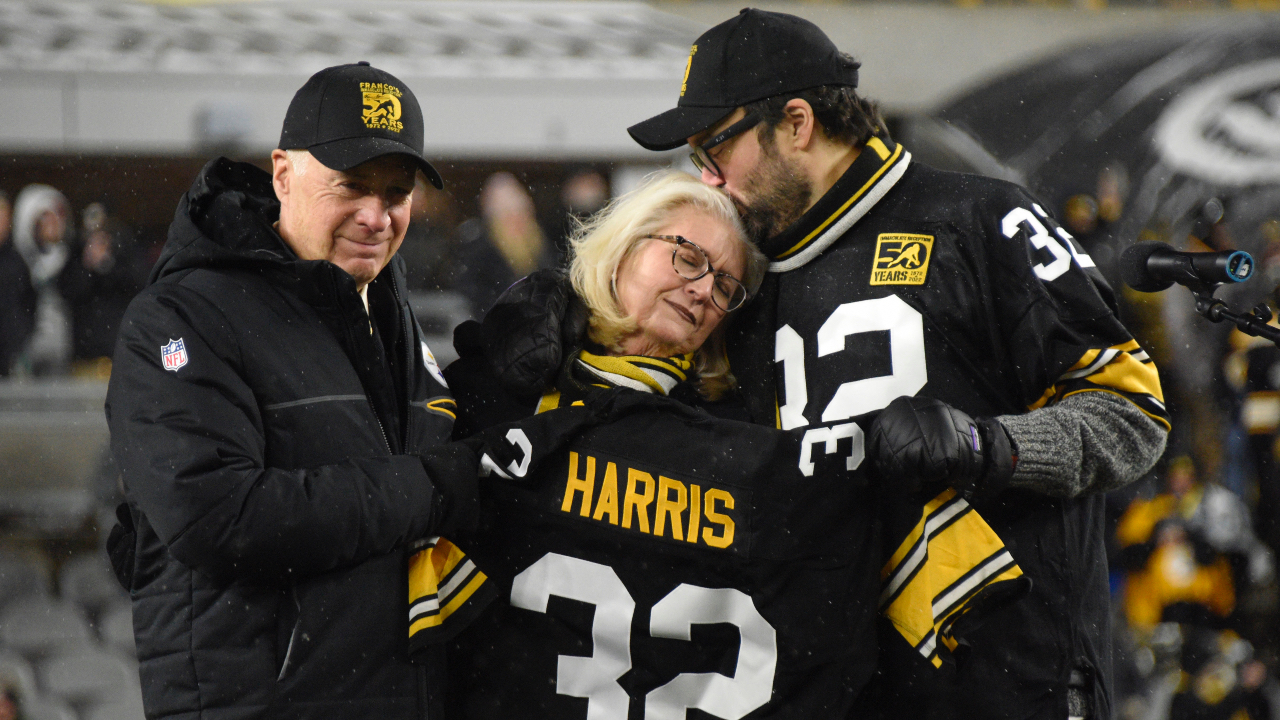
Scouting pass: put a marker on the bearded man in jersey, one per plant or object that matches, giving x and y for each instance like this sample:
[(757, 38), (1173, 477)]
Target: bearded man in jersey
[(956, 308)]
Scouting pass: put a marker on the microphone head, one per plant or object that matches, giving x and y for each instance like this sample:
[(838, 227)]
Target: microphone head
[(1133, 266), (1238, 266)]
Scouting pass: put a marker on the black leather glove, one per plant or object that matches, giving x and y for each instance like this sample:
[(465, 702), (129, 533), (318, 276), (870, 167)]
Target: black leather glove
[(531, 329), (917, 442), (122, 546), (453, 472)]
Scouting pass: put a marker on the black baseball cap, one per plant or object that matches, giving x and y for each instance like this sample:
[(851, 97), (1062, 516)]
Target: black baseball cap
[(350, 114), (753, 56)]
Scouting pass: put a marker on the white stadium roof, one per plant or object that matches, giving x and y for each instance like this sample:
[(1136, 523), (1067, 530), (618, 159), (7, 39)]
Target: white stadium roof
[(495, 78)]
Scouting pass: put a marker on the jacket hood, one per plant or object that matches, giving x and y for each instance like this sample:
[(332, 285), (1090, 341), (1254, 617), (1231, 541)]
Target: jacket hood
[(225, 220), (43, 262)]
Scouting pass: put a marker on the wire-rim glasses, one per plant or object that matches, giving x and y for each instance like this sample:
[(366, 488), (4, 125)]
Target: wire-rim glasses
[(691, 263), (701, 155)]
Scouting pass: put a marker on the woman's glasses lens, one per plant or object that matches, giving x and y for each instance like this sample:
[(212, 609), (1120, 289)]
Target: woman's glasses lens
[(691, 263), (729, 294)]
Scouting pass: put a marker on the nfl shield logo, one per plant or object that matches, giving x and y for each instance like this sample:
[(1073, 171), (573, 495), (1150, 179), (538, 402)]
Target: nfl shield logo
[(174, 355)]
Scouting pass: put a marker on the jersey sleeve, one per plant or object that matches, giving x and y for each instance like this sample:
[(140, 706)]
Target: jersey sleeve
[(1060, 315), (947, 573)]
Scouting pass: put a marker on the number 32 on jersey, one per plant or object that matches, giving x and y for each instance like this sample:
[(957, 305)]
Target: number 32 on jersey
[(596, 677), (857, 397), (906, 347)]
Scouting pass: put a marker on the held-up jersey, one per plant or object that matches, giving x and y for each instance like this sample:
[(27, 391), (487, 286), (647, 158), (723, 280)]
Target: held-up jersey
[(671, 560), (904, 280), (666, 563)]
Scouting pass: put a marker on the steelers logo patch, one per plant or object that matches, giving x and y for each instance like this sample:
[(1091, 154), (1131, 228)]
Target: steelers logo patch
[(901, 259)]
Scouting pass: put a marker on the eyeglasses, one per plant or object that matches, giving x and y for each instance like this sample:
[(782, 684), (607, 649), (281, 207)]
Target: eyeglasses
[(691, 263), (701, 155)]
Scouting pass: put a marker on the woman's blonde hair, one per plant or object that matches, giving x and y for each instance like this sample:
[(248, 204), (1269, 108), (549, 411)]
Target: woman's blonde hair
[(601, 244)]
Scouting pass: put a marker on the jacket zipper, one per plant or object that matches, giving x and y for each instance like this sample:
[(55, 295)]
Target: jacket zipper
[(409, 365), (381, 430)]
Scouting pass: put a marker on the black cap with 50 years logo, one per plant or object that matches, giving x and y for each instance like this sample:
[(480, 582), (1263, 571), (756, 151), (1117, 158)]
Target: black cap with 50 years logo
[(350, 114), (752, 56)]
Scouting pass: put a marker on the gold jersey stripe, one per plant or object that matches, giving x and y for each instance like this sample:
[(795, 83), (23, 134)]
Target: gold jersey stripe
[(1160, 417), (910, 540), (880, 149), (428, 569), (550, 401), (430, 565), (459, 599), (1124, 369), (443, 406)]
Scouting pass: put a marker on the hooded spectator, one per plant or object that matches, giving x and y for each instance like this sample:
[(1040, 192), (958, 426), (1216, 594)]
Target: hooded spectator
[(41, 232)]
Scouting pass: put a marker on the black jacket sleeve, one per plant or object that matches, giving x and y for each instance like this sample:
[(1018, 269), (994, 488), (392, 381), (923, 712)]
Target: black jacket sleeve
[(191, 447)]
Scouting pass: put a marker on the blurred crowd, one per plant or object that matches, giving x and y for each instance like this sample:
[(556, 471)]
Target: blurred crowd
[(65, 280), (67, 274)]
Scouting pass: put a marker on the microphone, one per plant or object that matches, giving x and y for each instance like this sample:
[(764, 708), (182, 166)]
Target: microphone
[(1153, 266)]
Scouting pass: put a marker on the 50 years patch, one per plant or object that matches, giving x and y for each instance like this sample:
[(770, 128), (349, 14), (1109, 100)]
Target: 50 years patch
[(901, 259)]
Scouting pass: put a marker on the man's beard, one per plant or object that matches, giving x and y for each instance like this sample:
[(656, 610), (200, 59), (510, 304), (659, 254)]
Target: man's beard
[(774, 197)]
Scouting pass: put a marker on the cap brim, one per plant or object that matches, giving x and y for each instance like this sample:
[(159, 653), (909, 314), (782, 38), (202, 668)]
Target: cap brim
[(345, 154), (672, 128)]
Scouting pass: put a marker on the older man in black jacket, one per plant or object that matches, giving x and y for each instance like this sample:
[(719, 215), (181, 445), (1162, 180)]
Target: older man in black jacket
[(281, 425)]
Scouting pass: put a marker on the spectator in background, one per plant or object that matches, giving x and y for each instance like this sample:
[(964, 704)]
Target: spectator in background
[(583, 193), (502, 245), (99, 283), (17, 296), (41, 234), (1220, 679), (1189, 551)]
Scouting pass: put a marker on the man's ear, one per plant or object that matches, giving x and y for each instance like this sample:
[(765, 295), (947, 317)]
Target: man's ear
[(798, 128), (281, 173)]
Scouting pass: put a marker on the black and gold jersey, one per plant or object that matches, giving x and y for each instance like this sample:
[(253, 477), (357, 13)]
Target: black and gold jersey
[(670, 561), (673, 560), (904, 280)]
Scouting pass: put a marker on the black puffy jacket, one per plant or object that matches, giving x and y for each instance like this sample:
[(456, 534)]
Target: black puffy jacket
[(272, 470)]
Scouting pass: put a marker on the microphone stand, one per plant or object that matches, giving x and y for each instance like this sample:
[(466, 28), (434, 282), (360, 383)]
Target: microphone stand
[(1253, 323)]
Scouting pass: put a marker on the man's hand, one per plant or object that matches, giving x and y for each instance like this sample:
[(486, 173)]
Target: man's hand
[(916, 442)]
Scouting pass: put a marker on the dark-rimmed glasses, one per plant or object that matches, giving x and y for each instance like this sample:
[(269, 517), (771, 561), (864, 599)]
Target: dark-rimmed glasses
[(701, 155), (691, 263)]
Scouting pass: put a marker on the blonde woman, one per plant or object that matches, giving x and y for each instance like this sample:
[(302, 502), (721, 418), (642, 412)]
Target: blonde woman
[(656, 274), (665, 512)]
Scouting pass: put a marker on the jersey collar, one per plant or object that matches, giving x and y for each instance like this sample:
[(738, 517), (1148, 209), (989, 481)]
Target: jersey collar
[(879, 166)]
